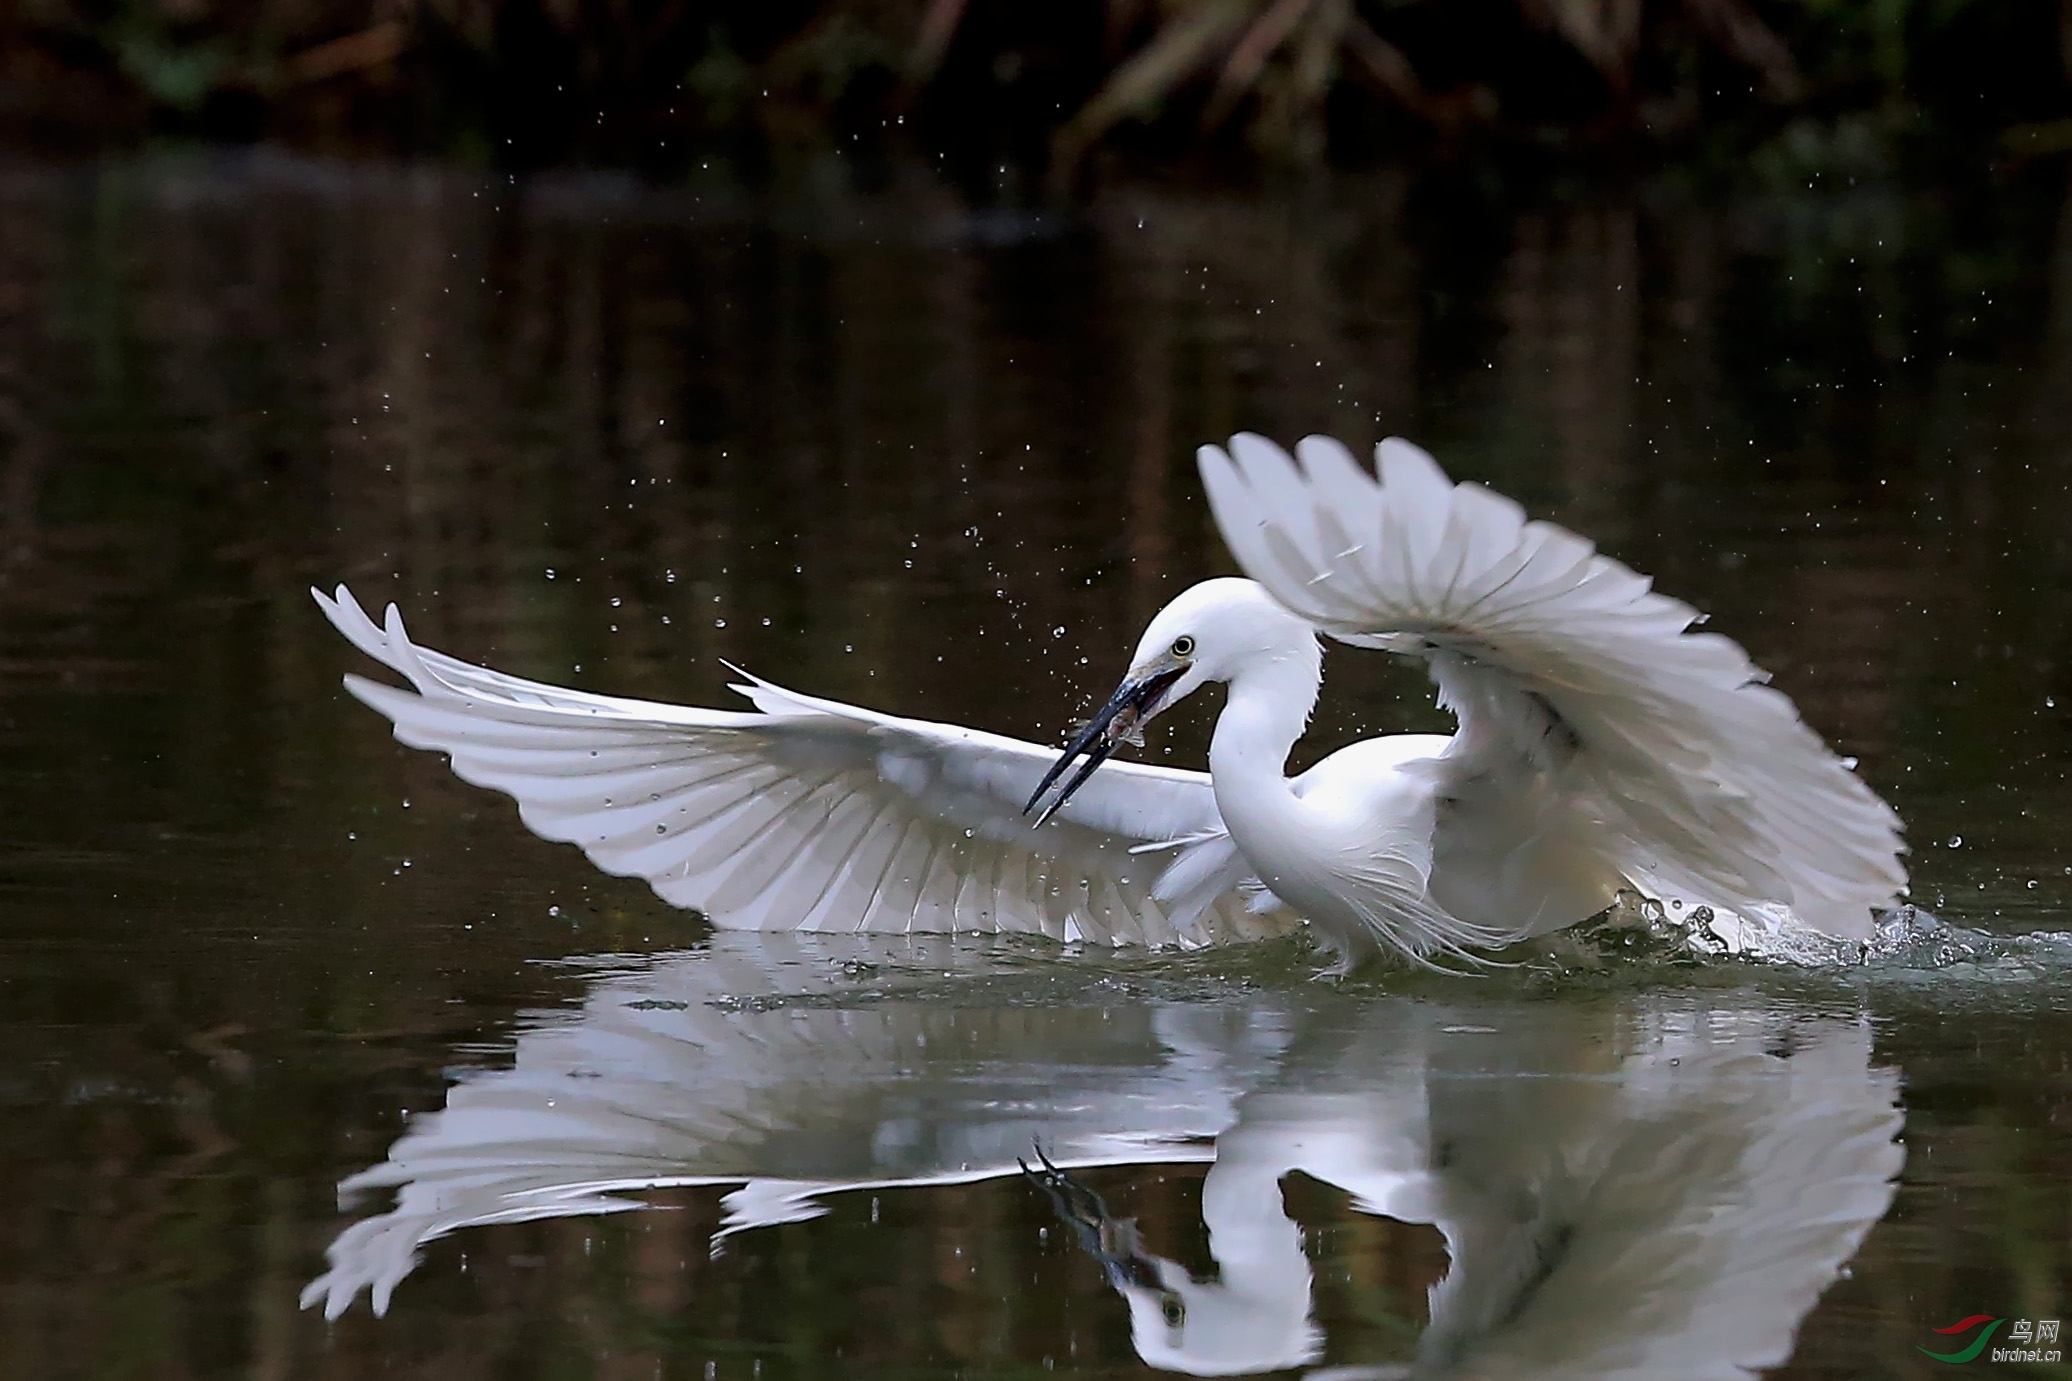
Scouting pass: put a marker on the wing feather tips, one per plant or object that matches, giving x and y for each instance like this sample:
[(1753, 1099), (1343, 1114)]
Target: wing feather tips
[(1229, 489), (345, 614)]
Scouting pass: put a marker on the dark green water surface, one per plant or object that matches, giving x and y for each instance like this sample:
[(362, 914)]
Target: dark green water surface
[(884, 447)]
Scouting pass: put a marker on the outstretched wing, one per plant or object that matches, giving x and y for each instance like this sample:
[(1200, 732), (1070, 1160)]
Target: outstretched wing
[(812, 815), (1564, 664)]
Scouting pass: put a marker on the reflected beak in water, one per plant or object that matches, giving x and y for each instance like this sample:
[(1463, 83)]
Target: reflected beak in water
[(1135, 701), (1111, 1241)]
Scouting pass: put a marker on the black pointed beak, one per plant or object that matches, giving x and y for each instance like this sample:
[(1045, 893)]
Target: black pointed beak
[(1111, 1241), (1134, 701)]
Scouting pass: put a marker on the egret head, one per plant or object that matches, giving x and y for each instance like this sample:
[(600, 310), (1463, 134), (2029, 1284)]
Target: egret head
[(1209, 632), (1254, 1318), (1207, 1328)]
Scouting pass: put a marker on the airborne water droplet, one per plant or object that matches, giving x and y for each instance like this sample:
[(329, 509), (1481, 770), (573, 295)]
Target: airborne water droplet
[(1956, 841)]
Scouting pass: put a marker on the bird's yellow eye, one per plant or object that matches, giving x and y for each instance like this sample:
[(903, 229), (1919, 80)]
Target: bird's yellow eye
[(1183, 646)]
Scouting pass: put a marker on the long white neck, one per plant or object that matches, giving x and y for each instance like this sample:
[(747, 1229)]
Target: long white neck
[(1271, 696)]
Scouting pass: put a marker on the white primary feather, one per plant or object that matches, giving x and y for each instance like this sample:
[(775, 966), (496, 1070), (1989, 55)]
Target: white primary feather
[(1668, 754), (812, 815)]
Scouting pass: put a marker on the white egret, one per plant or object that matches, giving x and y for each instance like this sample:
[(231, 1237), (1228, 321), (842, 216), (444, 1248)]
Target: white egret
[(1602, 746)]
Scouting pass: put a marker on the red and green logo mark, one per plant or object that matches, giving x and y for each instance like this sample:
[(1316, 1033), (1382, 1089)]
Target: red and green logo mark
[(1978, 1344)]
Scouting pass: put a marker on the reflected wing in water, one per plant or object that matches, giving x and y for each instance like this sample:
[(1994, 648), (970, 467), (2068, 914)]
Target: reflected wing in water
[(729, 1068), (1673, 1217), (812, 815), (1680, 1228), (1659, 1190)]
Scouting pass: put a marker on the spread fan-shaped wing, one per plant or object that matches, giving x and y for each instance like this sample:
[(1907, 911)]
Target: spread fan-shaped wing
[(812, 815), (1565, 664)]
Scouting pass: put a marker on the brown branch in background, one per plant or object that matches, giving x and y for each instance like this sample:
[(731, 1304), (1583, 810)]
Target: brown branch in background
[(2065, 36), (1386, 64), (1316, 64), (1119, 19), (1265, 69), (938, 27), (370, 47), (1247, 60), (1737, 28), (1605, 32), (1180, 47)]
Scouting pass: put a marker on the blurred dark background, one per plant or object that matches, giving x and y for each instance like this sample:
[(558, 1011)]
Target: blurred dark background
[(1002, 95)]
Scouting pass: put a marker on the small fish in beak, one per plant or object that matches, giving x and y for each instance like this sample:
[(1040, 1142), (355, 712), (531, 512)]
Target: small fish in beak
[(1119, 721)]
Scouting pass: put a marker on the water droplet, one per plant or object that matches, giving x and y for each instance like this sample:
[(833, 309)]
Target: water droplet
[(1956, 841), (550, 572), (616, 601), (661, 829), (719, 623), (1058, 632)]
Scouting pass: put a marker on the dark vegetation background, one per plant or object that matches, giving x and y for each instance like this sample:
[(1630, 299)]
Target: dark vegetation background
[(1005, 93)]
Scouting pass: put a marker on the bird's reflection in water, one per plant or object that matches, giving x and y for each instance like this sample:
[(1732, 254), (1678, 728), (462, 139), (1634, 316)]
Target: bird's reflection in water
[(1673, 1209), (1648, 1185)]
